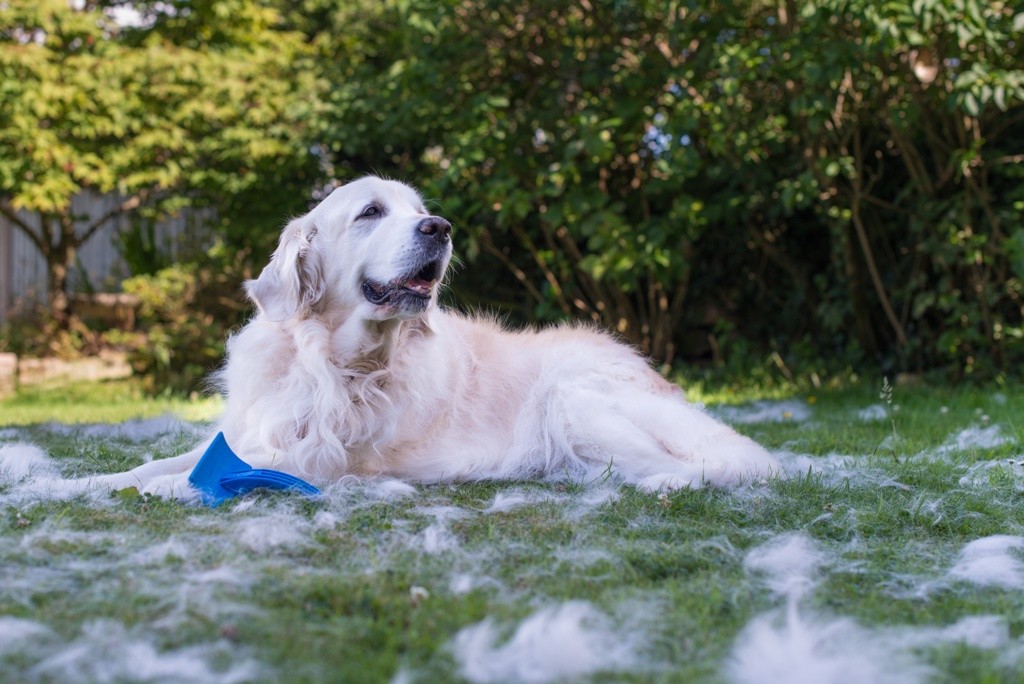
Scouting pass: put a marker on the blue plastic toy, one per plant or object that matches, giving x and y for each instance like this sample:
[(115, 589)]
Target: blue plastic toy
[(220, 475)]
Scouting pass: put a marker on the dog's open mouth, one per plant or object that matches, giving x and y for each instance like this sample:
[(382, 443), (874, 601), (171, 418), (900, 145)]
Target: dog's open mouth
[(416, 286)]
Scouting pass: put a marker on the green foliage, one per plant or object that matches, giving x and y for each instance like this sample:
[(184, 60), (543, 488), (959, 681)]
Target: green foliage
[(183, 320), (35, 333), (908, 128), (541, 144), (88, 106), (727, 181), (842, 176), (141, 250)]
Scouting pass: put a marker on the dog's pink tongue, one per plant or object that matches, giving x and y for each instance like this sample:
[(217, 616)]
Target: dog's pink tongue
[(419, 285)]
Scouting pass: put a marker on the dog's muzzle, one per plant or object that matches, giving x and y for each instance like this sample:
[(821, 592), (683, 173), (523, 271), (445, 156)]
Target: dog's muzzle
[(409, 293)]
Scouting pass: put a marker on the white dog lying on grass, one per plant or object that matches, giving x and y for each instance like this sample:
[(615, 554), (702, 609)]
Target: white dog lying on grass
[(350, 367)]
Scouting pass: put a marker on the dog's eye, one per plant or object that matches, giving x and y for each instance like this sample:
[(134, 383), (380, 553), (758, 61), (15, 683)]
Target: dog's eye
[(371, 211)]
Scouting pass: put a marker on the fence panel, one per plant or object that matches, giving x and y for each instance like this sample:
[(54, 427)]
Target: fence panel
[(23, 268)]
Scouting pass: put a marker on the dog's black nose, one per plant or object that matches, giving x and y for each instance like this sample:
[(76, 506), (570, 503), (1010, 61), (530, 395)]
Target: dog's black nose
[(435, 227)]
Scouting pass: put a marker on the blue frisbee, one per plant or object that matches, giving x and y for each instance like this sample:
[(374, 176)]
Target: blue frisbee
[(220, 475)]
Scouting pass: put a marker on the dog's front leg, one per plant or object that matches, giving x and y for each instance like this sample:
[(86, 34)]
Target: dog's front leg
[(166, 477)]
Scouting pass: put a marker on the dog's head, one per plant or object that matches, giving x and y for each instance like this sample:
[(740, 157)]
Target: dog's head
[(371, 248)]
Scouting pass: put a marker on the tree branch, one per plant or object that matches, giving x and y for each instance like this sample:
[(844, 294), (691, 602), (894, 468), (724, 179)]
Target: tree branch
[(549, 275), (865, 246), (520, 275), (591, 288), (133, 202), (13, 217)]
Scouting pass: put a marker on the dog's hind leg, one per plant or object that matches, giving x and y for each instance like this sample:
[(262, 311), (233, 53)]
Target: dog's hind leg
[(601, 435), (688, 433), (661, 442)]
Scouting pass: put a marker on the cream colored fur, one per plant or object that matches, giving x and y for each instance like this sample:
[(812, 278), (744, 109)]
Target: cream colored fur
[(323, 383)]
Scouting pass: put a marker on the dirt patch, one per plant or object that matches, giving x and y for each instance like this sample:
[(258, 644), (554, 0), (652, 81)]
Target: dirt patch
[(14, 371), (8, 374)]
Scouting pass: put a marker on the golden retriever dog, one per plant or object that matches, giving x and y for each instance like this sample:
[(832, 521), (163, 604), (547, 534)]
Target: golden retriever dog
[(350, 367)]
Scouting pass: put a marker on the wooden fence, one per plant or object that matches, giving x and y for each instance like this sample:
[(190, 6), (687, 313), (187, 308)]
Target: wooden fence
[(100, 264)]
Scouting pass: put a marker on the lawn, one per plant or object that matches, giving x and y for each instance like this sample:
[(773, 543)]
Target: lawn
[(892, 552)]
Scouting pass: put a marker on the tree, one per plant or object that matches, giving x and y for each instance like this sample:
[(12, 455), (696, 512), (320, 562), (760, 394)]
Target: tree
[(88, 105)]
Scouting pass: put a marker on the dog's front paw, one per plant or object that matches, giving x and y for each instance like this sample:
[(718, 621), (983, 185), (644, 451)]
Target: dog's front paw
[(175, 486)]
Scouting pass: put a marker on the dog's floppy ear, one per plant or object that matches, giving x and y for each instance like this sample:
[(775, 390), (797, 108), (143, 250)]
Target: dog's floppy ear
[(293, 282)]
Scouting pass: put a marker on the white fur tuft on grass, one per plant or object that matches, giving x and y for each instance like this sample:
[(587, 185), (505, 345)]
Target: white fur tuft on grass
[(437, 537), (787, 646), (872, 414), (996, 561), (788, 563), (508, 501), (136, 430), (793, 646), (564, 642), (270, 532), (106, 652), (974, 438), (17, 634), (23, 461), (764, 412)]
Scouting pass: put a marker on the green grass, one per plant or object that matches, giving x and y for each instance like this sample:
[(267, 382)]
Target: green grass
[(313, 591), (103, 402)]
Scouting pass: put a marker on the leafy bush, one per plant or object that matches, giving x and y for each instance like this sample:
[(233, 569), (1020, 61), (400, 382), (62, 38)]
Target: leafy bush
[(840, 176), (35, 333), (185, 314)]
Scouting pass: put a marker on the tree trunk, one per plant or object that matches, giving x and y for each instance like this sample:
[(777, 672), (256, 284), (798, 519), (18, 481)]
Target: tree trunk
[(57, 263), (60, 255)]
